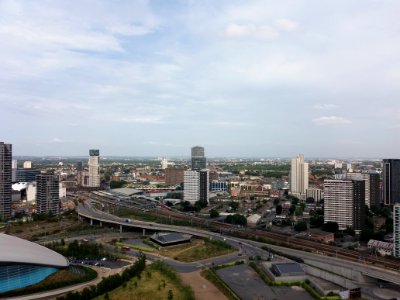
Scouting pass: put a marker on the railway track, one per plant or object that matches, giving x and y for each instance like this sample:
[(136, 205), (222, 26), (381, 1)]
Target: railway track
[(293, 242), (284, 240)]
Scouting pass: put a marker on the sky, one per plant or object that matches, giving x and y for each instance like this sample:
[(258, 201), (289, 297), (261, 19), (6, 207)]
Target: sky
[(241, 78)]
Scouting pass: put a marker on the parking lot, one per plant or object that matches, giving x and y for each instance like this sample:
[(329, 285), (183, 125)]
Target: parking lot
[(246, 283), (107, 263)]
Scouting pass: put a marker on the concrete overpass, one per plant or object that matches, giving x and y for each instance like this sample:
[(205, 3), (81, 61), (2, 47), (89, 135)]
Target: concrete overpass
[(350, 273), (105, 218)]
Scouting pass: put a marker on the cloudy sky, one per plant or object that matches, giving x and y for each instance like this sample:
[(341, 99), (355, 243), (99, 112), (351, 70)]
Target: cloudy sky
[(242, 78)]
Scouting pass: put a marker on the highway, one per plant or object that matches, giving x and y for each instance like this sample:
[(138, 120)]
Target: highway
[(248, 247)]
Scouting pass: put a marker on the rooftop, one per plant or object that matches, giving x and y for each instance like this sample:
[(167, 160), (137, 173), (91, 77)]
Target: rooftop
[(287, 269)]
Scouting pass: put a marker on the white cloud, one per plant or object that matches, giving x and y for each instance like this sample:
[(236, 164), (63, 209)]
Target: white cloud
[(57, 140), (251, 31), (324, 106), (286, 25), (331, 120)]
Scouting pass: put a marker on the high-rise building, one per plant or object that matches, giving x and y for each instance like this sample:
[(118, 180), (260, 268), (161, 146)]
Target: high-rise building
[(79, 166), (191, 186), (396, 230), (391, 181), (5, 180), (199, 161), (164, 163), (298, 176), (316, 194), (47, 194), (14, 167), (27, 164), (196, 186), (358, 176), (375, 189), (94, 168), (344, 203), (26, 175), (174, 175), (204, 187)]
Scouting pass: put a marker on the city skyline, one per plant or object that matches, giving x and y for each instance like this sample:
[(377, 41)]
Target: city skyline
[(253, 78)]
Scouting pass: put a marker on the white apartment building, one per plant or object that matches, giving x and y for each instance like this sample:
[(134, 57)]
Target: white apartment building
[(191, 186), (344, 202), (94, 168), (298, 175), (27, 165), (196, 186), (317, 194), (359, 176)]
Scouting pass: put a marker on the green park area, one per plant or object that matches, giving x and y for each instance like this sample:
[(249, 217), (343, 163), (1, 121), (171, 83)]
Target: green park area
[(157, 281), (197, 249)]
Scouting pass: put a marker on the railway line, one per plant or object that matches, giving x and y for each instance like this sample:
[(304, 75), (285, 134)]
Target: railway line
[(293, 242), (279, 239)]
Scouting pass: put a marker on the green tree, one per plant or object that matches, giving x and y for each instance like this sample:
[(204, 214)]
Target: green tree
[(234, 205), (300, 226), (170, 295), (214, 213), (310, 200), (366, 234), (330, 227), (236, 219), (279, 209)]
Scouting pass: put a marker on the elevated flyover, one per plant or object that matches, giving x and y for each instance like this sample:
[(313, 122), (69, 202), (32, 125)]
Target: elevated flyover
[(355, 272)]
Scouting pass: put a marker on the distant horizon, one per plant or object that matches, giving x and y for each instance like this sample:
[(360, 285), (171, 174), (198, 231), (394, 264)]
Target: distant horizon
[(158, 157)]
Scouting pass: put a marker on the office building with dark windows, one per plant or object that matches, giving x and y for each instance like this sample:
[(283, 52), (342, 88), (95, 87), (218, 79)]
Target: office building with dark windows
[(26, 175), (47, 194), (199, 161), (391, 181), (5, 180)]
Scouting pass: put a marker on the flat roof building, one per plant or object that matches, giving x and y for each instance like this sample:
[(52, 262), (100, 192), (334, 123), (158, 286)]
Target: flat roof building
[(170, 238), (287, 269)]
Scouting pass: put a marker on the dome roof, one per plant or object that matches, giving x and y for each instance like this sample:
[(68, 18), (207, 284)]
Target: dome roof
[(16, 250)]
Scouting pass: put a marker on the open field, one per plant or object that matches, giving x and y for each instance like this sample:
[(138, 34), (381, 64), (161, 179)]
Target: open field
[(198, 249), (203, 289)]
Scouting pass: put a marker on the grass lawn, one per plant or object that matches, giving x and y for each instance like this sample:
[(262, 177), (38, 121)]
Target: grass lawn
[(198, 249), (157, 282)]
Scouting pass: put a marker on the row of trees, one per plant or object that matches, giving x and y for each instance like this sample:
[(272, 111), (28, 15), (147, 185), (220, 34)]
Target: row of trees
[(109, 283), (79, 250)]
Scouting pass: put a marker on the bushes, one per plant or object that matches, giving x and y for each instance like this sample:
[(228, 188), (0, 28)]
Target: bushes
[(50, 283), (109, 283), (219, 244), (80, 250)]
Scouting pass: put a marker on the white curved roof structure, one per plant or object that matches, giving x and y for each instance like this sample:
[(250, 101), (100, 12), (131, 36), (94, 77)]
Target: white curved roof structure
[(16, 250)]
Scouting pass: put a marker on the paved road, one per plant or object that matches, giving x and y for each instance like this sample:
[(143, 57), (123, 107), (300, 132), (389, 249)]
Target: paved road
[(251, 248)]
